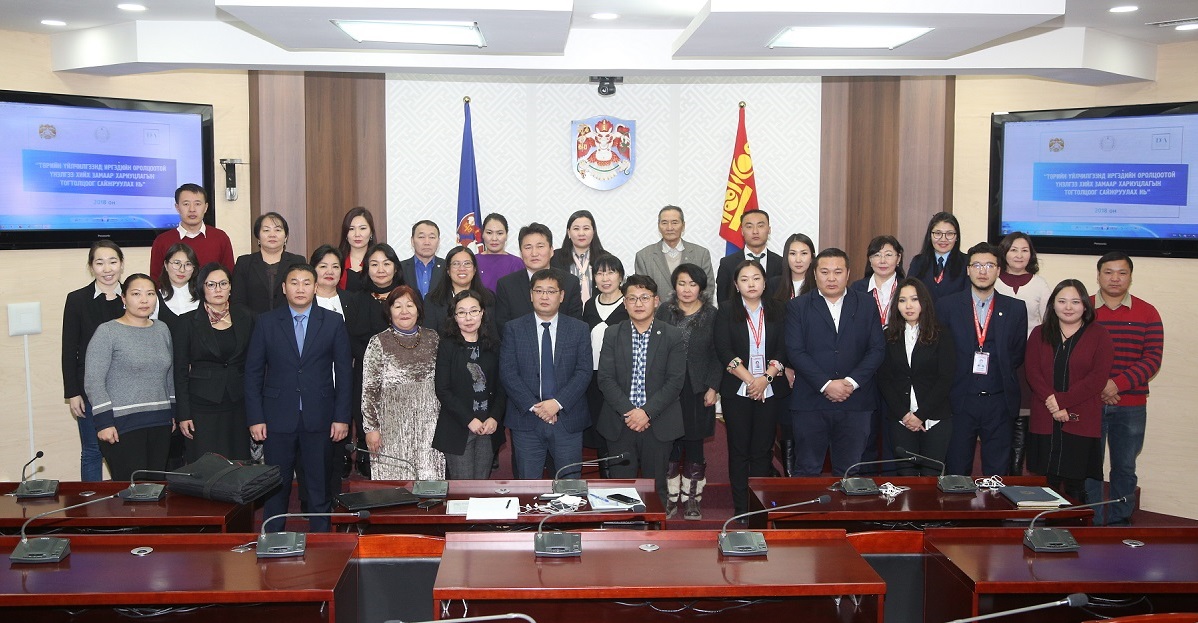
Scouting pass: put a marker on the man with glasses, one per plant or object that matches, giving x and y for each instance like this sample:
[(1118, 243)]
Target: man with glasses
[(990, 333), (511, 291), (641, 369), (210, 243), (546, 361)]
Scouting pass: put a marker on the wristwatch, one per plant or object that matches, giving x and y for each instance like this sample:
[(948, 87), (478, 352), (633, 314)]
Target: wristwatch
[(769, 378)]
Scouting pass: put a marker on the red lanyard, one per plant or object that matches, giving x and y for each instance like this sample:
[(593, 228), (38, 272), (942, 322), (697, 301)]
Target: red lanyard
[(758, 331), (982, 329), (883, 312)]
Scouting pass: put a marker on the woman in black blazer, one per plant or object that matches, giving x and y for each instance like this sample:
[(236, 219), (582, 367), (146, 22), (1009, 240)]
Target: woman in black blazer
[(468, 387), (259, 283), (943, 239), (85, 309), (210, 345), (749, 342), (916, 376), (580, 248)]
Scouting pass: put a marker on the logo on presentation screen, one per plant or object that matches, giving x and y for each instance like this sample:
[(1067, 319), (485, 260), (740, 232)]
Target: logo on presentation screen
[(604, 151), (1107, 143), (1056, 144), (47, 131)]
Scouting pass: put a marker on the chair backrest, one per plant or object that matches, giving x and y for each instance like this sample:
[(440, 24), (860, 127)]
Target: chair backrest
[(396, 573)]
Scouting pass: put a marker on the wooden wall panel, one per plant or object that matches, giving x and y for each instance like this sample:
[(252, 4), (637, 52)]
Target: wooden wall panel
[(278, 167), (834, 163), (925, 158)]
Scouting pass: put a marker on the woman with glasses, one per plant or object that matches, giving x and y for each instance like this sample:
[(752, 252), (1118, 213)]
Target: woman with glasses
[(176, 290), (210, 344), (462, 275), (467, 382), (259, 284), (940, 264)]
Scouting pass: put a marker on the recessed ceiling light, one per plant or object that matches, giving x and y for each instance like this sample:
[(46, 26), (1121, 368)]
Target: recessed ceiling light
[(1127, 8), (129, 6), (431, 33), (882, 37), (1188, 27), (53, 22), (605, 16)]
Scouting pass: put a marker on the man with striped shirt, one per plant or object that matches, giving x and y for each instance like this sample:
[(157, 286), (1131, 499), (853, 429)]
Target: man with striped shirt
[(1139, 337)]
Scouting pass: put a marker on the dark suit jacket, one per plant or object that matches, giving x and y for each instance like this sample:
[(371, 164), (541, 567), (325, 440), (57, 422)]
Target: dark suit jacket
[(513, 296), (820, 353), (253, 289), (731, 336), (1008, 326), (409, 272), (665, 369), (455, 390), (723, 278), (519, 359), (702, 365), (81, 314), (922, 269), (930, 372), (436, 314), (277, 376), (200, 370)]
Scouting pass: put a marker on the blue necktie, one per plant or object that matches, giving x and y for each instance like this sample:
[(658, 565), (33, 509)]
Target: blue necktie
[(300, 331), (548, 383), (939, 266)]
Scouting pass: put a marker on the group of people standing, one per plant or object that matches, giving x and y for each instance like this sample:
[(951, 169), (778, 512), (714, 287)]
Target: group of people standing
[(414, 368)]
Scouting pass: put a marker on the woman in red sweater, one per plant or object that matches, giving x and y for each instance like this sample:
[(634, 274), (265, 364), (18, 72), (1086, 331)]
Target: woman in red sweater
[(1068, 361)]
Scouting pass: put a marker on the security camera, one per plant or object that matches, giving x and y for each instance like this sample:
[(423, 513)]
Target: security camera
[(607, 84)]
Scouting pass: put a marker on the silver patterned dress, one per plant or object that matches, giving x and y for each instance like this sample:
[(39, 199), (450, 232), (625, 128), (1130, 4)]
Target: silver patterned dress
[(399, 400)]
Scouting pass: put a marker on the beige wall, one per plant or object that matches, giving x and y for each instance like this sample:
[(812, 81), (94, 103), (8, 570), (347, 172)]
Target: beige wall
[(1170, 452), (47, 276)]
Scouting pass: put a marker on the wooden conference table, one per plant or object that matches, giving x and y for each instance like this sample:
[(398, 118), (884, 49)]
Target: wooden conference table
[(923, 505), (412, 520), (812, 572), (186, 571), (976, 571), (173, 513)]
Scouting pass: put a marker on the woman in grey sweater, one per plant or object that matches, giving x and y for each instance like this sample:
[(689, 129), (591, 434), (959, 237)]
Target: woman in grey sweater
[(129, 379)]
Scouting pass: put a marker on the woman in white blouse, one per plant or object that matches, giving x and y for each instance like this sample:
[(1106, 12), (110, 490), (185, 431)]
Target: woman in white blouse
[(177, 294)]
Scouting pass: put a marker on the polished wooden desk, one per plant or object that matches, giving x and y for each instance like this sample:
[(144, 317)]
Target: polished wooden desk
[(923, 505), (813, 572), (413, 520), (200, 571), (974, 571), (173, 513)]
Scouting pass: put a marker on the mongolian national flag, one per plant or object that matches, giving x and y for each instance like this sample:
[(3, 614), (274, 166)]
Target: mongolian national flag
[(740, 196), (469, 219)]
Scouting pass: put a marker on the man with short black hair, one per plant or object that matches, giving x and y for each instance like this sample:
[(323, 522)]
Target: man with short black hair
[(210, 244), (755, 229), (990, 333), (1139, 335), (511, 291), (425, 269)]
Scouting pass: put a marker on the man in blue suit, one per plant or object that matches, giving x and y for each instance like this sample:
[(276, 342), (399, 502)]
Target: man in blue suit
[(547, 365), (835, 346), (297, 392), (990, 332)]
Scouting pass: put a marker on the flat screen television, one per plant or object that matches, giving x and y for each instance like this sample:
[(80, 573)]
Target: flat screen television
[(76, 169), (1092, 180)]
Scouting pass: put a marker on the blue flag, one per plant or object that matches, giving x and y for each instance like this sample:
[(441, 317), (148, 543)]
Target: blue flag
[(469, 232)]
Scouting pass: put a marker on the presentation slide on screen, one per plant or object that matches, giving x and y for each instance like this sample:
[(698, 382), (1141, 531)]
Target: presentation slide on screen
[(1115, 177), (64, 167)]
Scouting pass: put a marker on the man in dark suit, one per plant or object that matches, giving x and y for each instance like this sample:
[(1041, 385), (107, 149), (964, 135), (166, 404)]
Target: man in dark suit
[(990, 333), (641, 371), (424, 270), (297, 392), (547, 365), (511, 291), (755, 228), (835, 345)]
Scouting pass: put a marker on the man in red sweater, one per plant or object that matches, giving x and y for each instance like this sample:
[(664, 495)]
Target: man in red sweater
[(210, 243), (1139, 337)]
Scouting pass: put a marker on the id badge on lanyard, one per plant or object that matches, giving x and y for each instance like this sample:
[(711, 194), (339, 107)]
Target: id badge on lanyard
[(981, 359)]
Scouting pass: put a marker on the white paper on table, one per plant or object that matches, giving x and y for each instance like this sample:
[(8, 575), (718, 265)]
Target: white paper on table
[(596, 497), (479, 509), (457, 507)]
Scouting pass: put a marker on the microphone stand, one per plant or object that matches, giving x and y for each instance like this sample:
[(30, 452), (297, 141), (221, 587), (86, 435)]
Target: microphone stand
[(1056, 540), (37, 488), (752, 542), (420, 488), (45, 549), (946, 483), (147, 491), (578, 486), (864, 486), (285, 544)]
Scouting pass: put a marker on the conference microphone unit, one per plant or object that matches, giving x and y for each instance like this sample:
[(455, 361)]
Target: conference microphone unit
[(36, 488), (865, 486), (146, 491), (285, 544), (558, 544), (47, 548), (947, 483), (752, 542), (1054, 540), (420, 488), (578, 486), (1076, 600), (511, 616)]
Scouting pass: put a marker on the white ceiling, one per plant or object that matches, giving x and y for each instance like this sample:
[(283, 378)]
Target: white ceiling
[(1077, 41)]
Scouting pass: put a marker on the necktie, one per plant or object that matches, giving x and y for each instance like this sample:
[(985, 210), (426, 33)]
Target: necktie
[(548, 383), (756, 257), (939, 265), (300, 331)]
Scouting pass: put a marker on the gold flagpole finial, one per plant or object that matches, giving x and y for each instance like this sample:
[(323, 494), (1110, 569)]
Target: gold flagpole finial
[(742, 104), (467, 100)]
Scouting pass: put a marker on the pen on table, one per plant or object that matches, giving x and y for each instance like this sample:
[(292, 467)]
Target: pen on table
[(600, 498), (509, 504)]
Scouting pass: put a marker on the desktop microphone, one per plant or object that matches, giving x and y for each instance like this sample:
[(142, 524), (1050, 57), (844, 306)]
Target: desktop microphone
[(559, 544), (1056, 539), (751, 542), (1076, 600), (35, 488), (864, 486), (946, 483), (284, 544), (46, 548), (146, 491), (420, 488), (578, 486)]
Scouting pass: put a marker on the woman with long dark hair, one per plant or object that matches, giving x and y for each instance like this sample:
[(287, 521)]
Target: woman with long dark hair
[(580, 247), (798, 252), (940, 264), (259, 283), (357, 237), (177, 292), (494, 262)]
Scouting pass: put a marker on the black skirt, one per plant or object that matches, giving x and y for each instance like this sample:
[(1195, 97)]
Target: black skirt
[(1065, 455), (698, 421)]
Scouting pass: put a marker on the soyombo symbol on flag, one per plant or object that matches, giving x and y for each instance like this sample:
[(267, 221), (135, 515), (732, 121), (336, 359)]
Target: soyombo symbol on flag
[(740, 196)]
